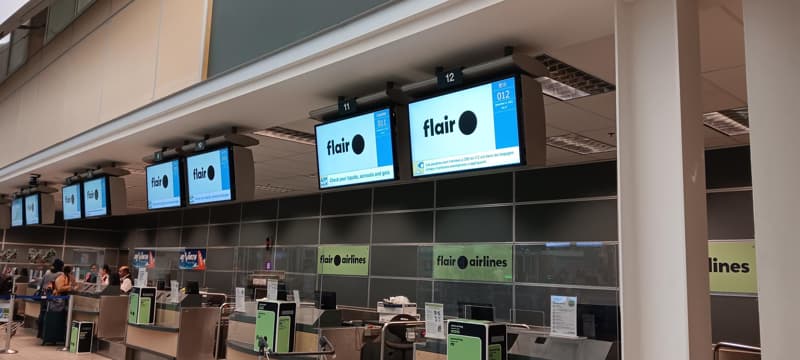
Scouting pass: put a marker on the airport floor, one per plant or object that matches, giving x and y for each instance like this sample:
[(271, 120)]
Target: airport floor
[(29, 348)]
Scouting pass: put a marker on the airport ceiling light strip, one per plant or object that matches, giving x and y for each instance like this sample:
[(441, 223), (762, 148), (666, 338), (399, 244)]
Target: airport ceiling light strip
[(565, 82), (731, 122), (579, 144), (282, 133)]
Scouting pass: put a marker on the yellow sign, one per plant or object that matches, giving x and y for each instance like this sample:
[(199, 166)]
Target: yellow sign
[(732, 266)]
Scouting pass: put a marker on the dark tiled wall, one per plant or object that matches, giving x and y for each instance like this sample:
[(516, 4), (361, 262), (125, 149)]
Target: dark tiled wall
[(80, 243)]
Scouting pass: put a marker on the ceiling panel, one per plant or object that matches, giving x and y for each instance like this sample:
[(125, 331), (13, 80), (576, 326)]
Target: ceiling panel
[(715, 98), (595, 56), (733, 81), (568, 117), (721, 39), (604, 105)]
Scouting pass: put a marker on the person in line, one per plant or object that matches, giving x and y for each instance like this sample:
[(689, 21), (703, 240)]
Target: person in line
[(91, 276), (126, 284), (64, 283), (104, 271), (51, 275), (46, 285)]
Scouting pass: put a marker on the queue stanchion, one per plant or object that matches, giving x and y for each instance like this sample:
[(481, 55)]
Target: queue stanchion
[(69, 323), (10, 326)]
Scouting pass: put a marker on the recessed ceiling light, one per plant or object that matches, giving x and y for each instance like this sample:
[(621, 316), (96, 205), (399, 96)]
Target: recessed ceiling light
[(283, 133), (579, 144), (566, 82), (730, 122), (273, 188)]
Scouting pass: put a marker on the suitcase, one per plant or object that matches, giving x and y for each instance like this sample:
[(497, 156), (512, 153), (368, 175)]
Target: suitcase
[(54, 327)]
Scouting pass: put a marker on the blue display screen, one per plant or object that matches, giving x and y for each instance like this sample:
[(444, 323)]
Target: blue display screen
[(356, 150), (71, 200), (17, 212), (164, 185), (470, 129), (208, 176), (95, 197), (32, 210)]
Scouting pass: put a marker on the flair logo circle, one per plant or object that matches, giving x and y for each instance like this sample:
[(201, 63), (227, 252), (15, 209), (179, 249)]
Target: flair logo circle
[(358, 144), (211, 172), (467, 122), (165, 181), (337, 260), (463, 262), (96, 194)]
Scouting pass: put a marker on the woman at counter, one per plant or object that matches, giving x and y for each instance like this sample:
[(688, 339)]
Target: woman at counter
[(104, 274), (64, 283)]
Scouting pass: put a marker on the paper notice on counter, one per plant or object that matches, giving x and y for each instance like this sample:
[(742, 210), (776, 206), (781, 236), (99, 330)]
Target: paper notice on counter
[(141, 278), (564, 315), (174, 291), (272, 289), (240, 306), (434, 321)]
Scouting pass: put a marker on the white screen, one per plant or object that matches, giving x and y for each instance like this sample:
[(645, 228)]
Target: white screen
[(164, 185), (356, 150), (208, 176), (71, 200), (95, 197), (469, 129), (17, 212), (32, 209)]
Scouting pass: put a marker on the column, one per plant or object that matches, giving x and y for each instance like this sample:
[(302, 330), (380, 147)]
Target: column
[(772, 53), (664, 289)]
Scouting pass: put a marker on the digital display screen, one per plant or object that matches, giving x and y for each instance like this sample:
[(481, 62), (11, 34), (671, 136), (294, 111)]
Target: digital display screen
[(17, 212), (32, 210), (95, 197), (164, 185), (469, 129), (71, 201), (355, 150), (208, 176)]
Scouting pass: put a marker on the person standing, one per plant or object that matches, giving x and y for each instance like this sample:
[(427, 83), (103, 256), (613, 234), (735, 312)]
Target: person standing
[(64, 283), (104, 275), (126, 284), (91, 276)]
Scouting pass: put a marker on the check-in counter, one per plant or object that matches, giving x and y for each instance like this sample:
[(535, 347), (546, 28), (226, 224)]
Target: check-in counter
[(32, 307), (311, 324), (104, 306), (183, 329)]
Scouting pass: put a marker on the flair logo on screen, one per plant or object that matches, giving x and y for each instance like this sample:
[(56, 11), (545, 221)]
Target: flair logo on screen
[(93, 195), (160, 182), (343, 146), (462, 262), (467, 123), (199, 174), (30, 207), (70, 199)]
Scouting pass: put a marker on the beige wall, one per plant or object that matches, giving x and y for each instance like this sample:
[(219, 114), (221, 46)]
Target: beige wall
[(117, 56)]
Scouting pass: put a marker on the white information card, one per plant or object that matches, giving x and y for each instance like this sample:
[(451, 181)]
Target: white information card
[(564, 315), (141, 278), (174, 291), (240, 307), (434, 321), (272, 289)]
